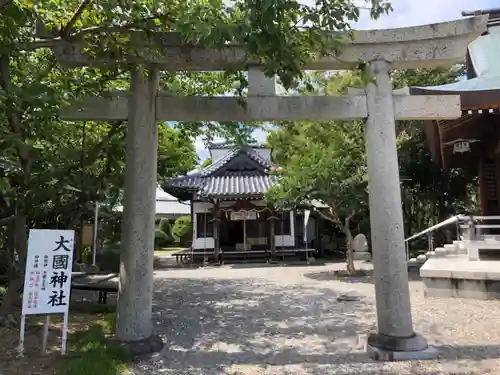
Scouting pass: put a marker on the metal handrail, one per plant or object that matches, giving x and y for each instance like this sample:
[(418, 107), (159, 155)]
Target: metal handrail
[(452, 220)]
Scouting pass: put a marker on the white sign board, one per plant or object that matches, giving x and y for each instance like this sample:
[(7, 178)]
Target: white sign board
[(244, 215), (47, 283)]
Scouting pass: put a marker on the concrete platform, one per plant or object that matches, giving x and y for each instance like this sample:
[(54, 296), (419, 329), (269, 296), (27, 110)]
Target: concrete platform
[(457, 276)]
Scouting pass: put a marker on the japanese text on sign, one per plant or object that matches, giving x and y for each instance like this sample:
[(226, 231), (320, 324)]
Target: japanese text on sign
[(47, 282)]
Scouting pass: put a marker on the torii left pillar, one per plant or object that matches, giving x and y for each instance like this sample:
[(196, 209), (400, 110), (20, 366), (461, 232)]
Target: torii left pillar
[(134, 320)]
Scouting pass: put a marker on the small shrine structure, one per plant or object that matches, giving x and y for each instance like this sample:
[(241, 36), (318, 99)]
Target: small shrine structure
[(229, 213)]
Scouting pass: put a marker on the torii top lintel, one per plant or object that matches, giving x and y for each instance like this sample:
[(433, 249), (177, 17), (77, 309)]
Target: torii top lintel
[(409, 47)]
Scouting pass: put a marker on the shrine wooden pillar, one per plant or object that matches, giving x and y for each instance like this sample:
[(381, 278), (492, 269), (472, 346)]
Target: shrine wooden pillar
[(272, 233), (216, 228)]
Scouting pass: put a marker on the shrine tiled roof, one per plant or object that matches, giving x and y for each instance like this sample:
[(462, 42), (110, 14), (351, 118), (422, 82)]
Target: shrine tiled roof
[(248, 152), (241, 173), (236, 184)]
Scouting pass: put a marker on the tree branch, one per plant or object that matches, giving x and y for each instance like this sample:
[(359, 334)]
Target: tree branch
[(347, 220), (351, 215), (71, 37), (67, 28), (326, 217)]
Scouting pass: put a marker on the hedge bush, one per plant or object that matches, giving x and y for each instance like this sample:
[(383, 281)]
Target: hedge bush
[(166, 228), (162, 239), (182, 229)]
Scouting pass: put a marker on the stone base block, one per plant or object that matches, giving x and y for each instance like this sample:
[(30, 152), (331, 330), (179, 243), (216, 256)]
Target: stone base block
[(460, 278), (462, 288), (387, 348), (134, 349), (388, 355)]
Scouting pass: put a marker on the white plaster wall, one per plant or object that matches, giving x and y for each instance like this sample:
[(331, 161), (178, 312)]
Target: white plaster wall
[(203, 242), (284, 241), (287, 240)]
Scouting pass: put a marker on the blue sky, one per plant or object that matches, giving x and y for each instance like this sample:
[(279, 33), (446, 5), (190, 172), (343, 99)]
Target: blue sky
[(406, 13)]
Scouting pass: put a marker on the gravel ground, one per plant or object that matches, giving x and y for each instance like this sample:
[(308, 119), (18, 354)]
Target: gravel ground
[(287, 320)]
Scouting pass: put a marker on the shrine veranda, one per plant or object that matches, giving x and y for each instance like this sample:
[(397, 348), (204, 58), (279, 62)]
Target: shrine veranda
[(382, 50)]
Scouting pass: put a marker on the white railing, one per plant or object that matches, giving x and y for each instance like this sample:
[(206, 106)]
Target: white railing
[(429, 231), (474, 224), (476, 239), (469, 228)]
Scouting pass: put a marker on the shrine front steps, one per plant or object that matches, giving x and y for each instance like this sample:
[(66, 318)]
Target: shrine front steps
[(448, 272), (414, 264)]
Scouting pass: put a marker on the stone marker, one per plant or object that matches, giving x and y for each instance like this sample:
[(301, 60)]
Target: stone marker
[(360, 247), (383, 50)]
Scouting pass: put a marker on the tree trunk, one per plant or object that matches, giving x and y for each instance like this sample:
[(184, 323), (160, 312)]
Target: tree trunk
[(345, 228), (14, 291), (349, 251)]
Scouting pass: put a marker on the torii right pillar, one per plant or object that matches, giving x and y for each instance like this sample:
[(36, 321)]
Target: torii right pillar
[(395, 338)]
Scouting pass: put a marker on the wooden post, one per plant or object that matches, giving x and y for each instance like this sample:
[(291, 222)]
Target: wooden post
[(244, 231), (272, 235), (216, 229)]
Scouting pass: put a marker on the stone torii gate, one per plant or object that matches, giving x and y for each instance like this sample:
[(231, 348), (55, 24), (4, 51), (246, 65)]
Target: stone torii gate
[(412, 47)]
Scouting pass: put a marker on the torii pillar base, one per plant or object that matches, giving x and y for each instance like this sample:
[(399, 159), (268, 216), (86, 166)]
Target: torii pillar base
[(135, 349), (387, 348)]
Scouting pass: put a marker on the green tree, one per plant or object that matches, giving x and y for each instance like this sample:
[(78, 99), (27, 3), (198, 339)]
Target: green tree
[(176, 153), (430, 194), (325, 162), (39, 151)]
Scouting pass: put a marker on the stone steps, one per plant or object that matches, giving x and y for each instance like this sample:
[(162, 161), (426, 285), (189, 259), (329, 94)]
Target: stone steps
[(448, 249)]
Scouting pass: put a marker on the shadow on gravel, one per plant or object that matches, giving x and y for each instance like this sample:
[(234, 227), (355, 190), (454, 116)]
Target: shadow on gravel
[(212, 326), (210, 323), (367, 278)]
